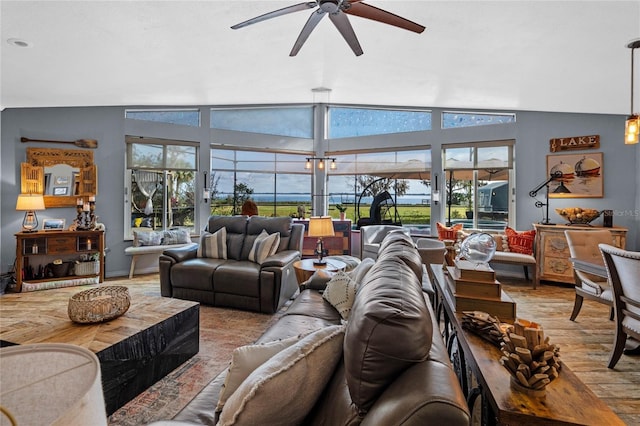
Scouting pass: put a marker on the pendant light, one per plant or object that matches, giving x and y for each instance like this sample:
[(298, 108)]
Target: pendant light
[(632, 126)]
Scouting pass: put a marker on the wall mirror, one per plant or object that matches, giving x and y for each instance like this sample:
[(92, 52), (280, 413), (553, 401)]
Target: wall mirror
[(61, 175)]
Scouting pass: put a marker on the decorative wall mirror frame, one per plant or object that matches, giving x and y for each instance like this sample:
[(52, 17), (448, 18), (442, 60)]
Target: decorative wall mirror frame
[(41, 175)]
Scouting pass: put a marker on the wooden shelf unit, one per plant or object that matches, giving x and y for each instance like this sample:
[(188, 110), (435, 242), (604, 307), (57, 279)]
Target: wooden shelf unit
[(45, 245), (552, 250)]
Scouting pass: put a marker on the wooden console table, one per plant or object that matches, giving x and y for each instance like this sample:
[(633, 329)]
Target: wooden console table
[(35, 249), (568, 401), (552, 250)]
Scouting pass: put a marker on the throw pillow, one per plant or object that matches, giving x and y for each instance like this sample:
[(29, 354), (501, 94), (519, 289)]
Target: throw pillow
[(520, 242), (318, 280), (147, 238), (176, 236), (286, 387), (341, 292), (448, 233), (213, 245), (245, 360), (264, 246), (361, 270)]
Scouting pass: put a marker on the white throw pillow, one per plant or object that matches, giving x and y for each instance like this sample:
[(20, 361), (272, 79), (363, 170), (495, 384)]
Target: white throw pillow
[(214, 245), (360, 271), (287, 386), (245, 360), (264, 246), (341, 293)]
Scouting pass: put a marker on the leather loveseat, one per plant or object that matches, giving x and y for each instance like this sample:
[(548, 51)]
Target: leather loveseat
[(392, 367), (228, 278)]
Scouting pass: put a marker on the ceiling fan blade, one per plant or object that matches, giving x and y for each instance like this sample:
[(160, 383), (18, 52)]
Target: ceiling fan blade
[(343, 25), (364, 10), (313, 20), (286, 10)]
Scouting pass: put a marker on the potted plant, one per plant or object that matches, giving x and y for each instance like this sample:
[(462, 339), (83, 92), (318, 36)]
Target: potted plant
[(341, 209)]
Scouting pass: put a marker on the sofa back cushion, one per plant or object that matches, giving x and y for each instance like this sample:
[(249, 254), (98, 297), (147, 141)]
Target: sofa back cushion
[(236, 230), (389, 328), (272, 225), (400, 246)]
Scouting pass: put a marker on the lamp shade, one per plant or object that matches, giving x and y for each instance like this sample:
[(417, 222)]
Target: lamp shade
[(30, 202), (52, 384), (321, 226)]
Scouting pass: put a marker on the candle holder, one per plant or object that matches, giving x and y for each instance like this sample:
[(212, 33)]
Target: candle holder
[(86, 219)]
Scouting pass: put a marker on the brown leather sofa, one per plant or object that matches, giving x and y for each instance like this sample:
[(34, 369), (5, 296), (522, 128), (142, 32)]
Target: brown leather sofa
[(236, 282), (394, 370)]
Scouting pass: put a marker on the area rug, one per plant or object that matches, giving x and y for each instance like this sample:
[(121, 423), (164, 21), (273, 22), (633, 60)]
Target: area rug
[(221, 331)]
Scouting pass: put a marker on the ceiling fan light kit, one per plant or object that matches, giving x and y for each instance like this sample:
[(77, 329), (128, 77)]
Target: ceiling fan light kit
[(337, 11)]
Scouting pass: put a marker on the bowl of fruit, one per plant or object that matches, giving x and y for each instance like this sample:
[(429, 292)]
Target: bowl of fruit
[(578, 215)]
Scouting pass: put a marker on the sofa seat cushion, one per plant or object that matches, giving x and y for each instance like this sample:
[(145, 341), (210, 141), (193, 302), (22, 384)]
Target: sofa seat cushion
[(389, 307), (311, 303), (239, 277), (285, 388), (196, 274), (516, 258)]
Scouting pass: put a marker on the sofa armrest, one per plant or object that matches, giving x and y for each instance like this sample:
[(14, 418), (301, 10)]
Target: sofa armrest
[(180, 254), (281, 259)]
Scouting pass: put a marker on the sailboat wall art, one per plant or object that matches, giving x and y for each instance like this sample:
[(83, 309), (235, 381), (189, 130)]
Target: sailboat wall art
[(582, 175)]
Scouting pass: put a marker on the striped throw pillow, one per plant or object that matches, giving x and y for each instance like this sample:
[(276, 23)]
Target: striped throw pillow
[(214, 245), (264, 246)]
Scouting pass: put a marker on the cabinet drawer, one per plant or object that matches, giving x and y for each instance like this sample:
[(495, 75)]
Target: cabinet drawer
[(559, 268), (61, 245), (556, 245)]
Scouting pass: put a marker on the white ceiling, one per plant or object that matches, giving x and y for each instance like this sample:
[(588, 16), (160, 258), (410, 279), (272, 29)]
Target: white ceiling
[(514, 55)]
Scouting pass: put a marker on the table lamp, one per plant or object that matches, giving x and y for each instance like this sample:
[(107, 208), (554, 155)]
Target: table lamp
[(320, 226), (51, 384), (29, 203)]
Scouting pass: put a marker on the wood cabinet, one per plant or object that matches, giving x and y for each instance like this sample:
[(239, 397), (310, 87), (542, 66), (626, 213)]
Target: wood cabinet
[(339, 244), (552, 251), (35, 250)]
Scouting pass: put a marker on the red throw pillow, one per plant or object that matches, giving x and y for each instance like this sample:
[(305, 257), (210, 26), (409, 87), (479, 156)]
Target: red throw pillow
[(520, 242), (448, 233)]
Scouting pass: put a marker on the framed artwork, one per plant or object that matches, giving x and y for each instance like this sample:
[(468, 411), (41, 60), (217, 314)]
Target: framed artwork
[(582, 175), (60, 190), (53, 224)]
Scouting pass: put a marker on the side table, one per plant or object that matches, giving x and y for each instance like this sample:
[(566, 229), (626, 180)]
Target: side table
[(305, 268)]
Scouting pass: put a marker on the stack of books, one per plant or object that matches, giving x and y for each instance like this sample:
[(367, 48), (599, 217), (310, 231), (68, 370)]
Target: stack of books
[(474, 287)]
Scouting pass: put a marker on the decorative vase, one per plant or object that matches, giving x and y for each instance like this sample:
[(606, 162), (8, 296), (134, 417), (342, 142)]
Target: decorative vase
[(342, 215)]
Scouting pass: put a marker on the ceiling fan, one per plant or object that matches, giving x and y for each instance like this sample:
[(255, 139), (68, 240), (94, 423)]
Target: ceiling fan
[(337, 11)]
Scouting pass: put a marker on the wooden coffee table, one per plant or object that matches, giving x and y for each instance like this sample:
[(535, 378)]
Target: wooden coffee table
[(305, 268), (156, 335), (568, 401)]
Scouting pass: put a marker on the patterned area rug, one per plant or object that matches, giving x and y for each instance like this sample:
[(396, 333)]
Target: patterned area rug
[(221, 331)]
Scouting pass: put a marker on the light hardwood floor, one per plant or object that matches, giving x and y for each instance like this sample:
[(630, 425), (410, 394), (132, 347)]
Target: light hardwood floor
[(585, 344)]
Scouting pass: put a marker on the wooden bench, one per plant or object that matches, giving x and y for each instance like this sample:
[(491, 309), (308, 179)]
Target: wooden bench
[(134, 252)]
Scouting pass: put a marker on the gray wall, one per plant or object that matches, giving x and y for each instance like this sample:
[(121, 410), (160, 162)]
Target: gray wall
[(107, 124)]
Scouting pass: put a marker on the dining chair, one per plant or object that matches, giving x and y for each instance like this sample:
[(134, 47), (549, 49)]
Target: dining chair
[(623, 268), (583, 245)]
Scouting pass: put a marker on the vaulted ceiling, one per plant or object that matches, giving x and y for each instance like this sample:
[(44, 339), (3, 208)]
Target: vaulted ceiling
[(564, 56)]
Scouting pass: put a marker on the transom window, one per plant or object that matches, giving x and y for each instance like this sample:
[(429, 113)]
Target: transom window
[(350, 122)]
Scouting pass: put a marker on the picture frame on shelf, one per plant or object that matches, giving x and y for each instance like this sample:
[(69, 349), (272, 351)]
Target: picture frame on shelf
[(61, 190), (53, 224), (582, 175)]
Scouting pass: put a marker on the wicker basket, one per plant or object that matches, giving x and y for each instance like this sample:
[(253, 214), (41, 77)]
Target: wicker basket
[(99, 304), (87, 268)]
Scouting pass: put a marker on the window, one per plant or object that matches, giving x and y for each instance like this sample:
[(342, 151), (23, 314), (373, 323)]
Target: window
[(186, 117), (283, 121), (161, 177), (362, 176), (277, 182), (349, 122), (452, 120), (479, 184)]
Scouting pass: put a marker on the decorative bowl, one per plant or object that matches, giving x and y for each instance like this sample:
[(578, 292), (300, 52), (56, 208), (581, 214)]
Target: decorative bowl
[(99, 304), (578, 215)]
